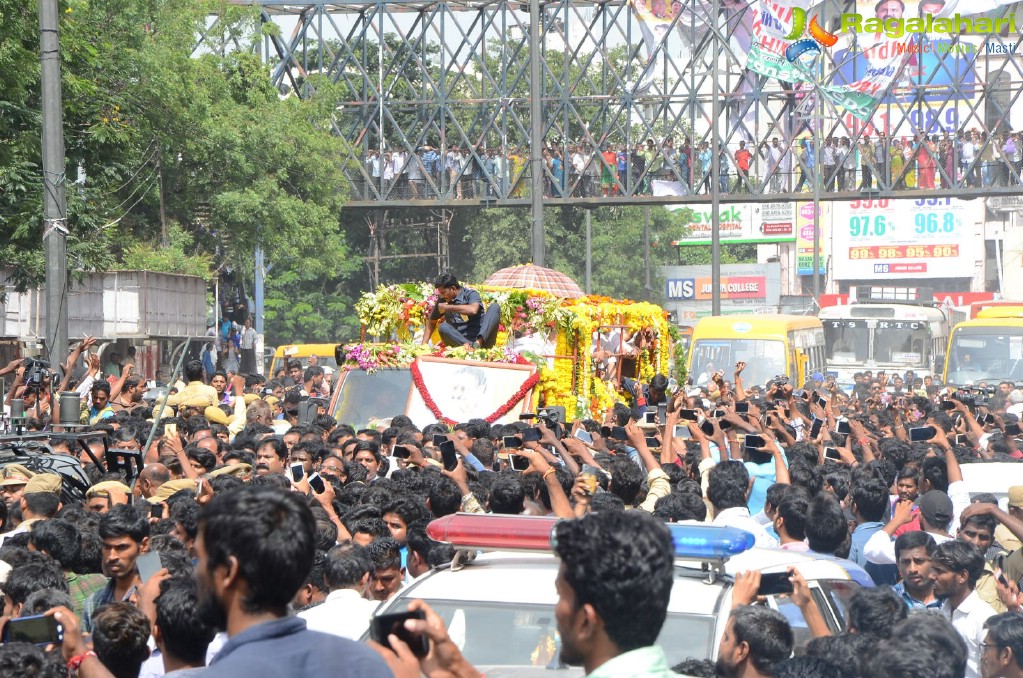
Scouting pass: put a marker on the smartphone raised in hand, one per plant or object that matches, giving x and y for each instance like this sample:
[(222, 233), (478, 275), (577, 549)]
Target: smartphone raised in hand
[(448, 455), (583, 435), (518, 462), (38, 629), (774, 583), (148, 564), (384, 625), (531, 435), (922, 433), (682, 431), (754, 441)]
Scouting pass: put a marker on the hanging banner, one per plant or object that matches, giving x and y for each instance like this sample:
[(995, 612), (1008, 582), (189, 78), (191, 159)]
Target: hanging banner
[(883, 46), (787, 43), (655, 18)]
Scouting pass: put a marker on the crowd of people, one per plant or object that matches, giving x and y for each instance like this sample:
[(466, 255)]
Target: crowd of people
[(775, 165), (261, 534)]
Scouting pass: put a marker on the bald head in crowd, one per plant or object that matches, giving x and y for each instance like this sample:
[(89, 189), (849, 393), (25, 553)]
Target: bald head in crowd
[(151, 478)]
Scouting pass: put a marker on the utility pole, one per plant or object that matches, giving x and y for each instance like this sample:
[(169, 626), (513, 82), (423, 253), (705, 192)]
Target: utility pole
[(589, 254), (715, 169), (536, 167), (164, 239), (54, 199)]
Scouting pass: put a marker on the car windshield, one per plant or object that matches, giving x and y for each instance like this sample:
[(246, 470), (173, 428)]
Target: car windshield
[(765, 359), (490, 634), (847, 341), (985, 354), (365, 396)]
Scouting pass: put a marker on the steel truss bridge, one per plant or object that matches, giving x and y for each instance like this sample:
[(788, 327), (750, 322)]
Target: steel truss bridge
[(509, 82)]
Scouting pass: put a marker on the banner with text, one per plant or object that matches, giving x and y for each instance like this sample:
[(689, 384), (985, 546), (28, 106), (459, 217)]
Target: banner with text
[(897, 239), (743, 223), (806, 224)]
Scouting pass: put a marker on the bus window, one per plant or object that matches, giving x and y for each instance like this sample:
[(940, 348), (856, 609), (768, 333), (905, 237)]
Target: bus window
[(764, 359), (901, 342), (847, 340)]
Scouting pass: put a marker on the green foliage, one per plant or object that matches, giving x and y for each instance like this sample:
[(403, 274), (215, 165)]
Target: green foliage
[(169, 258), (240, 166)]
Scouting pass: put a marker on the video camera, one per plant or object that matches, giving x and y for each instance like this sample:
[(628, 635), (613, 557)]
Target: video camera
[(550, 417), (36, 371), (973, 397)]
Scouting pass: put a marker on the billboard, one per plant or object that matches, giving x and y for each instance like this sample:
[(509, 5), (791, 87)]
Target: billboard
[(742, 223), (806, 224), (904, 239), (745, 288)]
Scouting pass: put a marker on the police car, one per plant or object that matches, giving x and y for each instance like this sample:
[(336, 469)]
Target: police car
[(497, 597)]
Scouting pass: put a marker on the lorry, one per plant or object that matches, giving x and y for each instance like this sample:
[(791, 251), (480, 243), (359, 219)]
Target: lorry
[(153, 313)]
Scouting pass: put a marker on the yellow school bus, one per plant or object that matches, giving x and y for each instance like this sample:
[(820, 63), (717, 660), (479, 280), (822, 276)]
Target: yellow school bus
[(301, 352), (987, 348), (770, 345)]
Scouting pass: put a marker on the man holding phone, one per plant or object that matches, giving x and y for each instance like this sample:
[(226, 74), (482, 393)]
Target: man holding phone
[(256, 546), (465, 322)]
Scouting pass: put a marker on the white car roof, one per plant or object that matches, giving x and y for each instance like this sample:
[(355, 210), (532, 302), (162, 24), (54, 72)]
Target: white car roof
[(528, 578)]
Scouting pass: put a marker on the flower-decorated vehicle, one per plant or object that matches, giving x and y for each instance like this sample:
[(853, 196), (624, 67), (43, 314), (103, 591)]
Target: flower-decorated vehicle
[(543, 358)]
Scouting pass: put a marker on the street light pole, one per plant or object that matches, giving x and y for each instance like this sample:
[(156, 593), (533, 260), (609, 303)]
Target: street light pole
[(54, 199)]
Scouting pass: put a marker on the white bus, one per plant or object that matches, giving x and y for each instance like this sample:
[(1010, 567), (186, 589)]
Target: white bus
[(890, 337)]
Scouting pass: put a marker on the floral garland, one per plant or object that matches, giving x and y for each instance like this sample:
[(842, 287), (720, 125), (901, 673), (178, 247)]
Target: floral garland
[(417, 379), (372, 357), (398, 311)]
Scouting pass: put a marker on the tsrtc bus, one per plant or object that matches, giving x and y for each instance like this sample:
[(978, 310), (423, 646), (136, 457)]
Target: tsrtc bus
[(987, 348), (770, 345), (893, 337)]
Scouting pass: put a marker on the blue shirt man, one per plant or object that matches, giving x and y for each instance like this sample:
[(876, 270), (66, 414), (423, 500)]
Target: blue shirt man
[(883, 575), (869, 500)]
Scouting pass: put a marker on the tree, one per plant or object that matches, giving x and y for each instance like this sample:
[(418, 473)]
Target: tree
[(240, 167)]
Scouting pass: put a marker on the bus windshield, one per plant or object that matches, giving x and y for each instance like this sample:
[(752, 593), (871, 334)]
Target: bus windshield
[(901, 342), (847, 341), (985, 354), (765, 359)]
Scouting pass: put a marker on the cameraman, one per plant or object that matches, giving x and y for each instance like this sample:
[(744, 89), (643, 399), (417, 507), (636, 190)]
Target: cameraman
[(31, 384)]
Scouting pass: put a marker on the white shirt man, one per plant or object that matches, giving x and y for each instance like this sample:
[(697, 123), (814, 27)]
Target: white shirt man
[(344, 613), (968, 619), (740, 517)]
